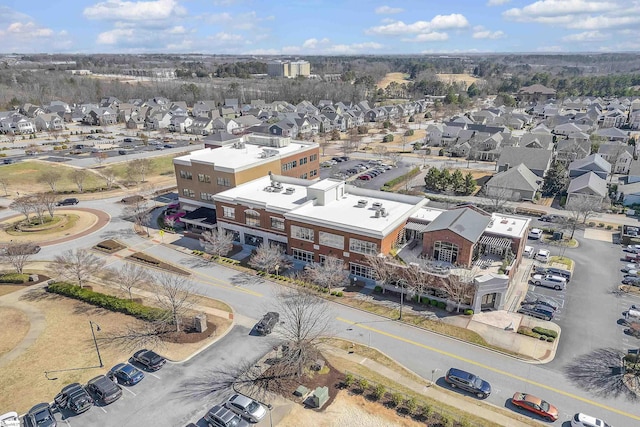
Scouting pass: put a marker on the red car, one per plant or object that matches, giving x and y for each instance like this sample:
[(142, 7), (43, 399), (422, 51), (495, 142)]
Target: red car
[(535, 405), (365, 177)]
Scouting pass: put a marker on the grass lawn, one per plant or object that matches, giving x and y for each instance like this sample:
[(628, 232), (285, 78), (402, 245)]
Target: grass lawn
[(19, 322), (566, 262), (158, 166), (23, 177)]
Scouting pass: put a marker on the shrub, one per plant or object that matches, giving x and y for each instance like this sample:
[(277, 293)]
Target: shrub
[(14, 278), (388, 138), (425, 300), (107, 302), (542, 338), (609, 227), (545, 332), (348, 380), (591, 224), (409, 132), (339, 294), (550, 339), (377, 289), (397, 399), (411, 405), (426, 411), (434, 303), (441, 152), (468, 312), (363, 384), (379, 391), (442, 304), (600, 224)]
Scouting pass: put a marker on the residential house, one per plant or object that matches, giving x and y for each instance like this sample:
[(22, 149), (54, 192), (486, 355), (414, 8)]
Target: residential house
[(16, 124), (245, 122), (516, 183), (157, 120), (613, 134), (538, 141), (629, 190), (205, 109), (536, 160), (180, 123), (48, 122), (568, 150), (588, 186), (225, 125), (618, 155), (102, 116), (535, 93), (592, 163), (200, 126)]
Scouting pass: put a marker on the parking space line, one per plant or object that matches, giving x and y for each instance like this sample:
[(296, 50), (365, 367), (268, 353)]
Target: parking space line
[(66, 422), (153, 375), (103, 410), (125, 388)]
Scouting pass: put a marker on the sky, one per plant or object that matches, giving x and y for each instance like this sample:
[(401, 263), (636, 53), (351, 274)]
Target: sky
[(318, 27)]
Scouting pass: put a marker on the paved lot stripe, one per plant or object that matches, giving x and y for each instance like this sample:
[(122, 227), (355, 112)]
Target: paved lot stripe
[(498, 371)]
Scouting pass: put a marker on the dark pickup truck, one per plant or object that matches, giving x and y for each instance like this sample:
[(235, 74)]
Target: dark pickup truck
[(266, 324)]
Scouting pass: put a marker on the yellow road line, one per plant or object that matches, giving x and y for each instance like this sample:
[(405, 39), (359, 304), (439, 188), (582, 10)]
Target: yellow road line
[(498, 371), (221, 284)]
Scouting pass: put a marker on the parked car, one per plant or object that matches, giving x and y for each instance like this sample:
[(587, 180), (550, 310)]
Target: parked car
[(533, 302), (629, 267), (10, 419), (219, 416), (132, 199), (125, 373), (266, 324), (537, 311), (528, 251), (149, 359), (552, 218), (365, 177), (247, 408), (168, 146), (104, 389), (8, 161), (535, 234), (67, 202), (631, 280), (543, 255), (550, 281), (41, 415), (535, 405), (553, 270), (75, 398), (468, 382), (634, 249), (122, 152), (583, 420)]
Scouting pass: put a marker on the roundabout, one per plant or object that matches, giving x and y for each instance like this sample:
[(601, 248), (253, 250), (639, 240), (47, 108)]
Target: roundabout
[(66, 224)]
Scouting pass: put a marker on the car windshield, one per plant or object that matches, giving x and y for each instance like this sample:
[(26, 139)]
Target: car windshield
[(544, 406), (477, 382), (252, 407), (42, 417)]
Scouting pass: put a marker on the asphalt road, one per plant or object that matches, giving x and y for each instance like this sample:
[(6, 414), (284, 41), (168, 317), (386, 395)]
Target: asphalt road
[(425, 353)]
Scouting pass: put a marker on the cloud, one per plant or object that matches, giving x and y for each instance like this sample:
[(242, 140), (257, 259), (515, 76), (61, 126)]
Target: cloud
[(28, 29), (314, 43), (134, 11), (322, 46), (387, 10), (115, 36), (178, 29), (497, 2), (428, 37), (21, 33), (587, 36), (439, 22), (479, 32), (554, 48), (219, 18), (544, 8)]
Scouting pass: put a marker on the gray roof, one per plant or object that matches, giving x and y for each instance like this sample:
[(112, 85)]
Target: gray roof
[(533, 158), (465, 222), (517, 178), (593, 159), (589, 181)]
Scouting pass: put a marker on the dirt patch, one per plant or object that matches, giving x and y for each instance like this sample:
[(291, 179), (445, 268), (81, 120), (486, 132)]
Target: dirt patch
[(457, 78), (11, 336), (191, 336), (7, 289), (347, 410), (399, 78)]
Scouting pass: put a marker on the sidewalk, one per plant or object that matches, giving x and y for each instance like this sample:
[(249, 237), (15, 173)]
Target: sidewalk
[(478, 408)]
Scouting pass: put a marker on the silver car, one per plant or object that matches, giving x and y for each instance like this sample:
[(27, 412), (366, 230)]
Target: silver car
[(550, 281), (247, 408)]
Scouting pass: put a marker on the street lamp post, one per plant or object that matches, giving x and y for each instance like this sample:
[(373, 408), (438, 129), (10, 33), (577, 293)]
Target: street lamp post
[(95, 341), (401, 283), (270, 407), (433, 372)]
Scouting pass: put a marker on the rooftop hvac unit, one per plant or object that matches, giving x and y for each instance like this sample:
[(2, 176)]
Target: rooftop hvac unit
[(268, 189), (277, 184), (377, 205), (277, 189), (290, 190), (383, 212), (362, 203), (377, 214)]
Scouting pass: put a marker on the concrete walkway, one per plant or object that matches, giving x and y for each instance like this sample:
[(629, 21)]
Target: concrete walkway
[(468, 404)]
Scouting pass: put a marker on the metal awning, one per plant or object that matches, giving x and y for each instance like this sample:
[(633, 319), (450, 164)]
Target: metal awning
[(495, 242), (416, 226)]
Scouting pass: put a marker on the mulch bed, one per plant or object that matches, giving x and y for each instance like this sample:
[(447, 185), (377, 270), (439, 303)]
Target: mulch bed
[(189, 336), (150, 261), (109, 246)]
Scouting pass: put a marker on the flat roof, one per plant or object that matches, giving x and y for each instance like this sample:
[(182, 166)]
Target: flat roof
[(230, 159), (427, 213), (508, 225), (254, 193)]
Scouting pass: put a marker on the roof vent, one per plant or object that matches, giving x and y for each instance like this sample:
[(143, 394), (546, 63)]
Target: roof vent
[(362, 203), (268, 189), (290, 190), (377, 214), (383, 212), (377, 205), (277, 184)]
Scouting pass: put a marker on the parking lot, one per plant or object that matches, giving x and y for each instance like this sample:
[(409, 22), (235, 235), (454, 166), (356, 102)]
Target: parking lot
[(174, 392), (347, 170)]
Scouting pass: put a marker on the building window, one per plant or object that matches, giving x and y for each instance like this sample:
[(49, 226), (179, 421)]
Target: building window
[(186, 175), (277, 223), (204, 178), (313, 157), (301, 255), (228, 212), (363, 247), (289, 165), (303, 176), (445, 251), (360, 270), (252, 218), (302, 233), (225, 182), (188, 193), (303, 161), (313, 172), (206, 196), (331, 240)]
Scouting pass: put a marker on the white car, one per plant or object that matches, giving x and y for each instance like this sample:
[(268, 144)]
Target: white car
[(10, 419), (528, 251), (246, 407), (535, 233), (582, 420), (627, 268), (543, 255), (550, 281)]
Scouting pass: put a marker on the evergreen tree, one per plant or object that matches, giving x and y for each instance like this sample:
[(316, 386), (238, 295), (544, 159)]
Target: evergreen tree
[(457, 182), (444, 181), (432, 178), (469, 184), (555, 181)]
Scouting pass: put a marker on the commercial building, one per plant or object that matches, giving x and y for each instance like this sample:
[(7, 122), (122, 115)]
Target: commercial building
[(289, 69)]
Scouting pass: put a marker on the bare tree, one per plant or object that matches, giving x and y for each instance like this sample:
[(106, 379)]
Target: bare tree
[(582, 207), (268, 258), (77, 265), (382, 270), (328, 274), (48, 201), (130, 276), (139, 212), (24, 205), (99, 158), (110, 177), (39, 206), (305, 320), (51, 177), (380, 151), (175, 294), (498, 196), (602, 373), (137, 170), (78, 176), (134, 336), (348, 146), (216, 242), (459, 287), (4, 183), (18, 254)]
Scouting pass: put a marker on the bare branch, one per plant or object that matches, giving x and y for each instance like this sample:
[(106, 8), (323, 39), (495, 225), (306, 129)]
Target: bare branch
[(50, 177), (329, 274), (216, 242), (76, 265), (267, 257), (175, 294), (78, 176), (130, 276), (18, 254)]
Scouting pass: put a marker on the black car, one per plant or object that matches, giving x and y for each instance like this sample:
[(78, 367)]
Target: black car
[(631, 280), (74, 398), (537, 311), (149, 359), (104, 389), (41, 415), (266, 324), (468, 382), (125, 373), (67, 202), (168, 146), (533, 302), (122, 152)]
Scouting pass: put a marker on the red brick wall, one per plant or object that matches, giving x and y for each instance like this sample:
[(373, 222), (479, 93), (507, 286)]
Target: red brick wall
[(465, 247)]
